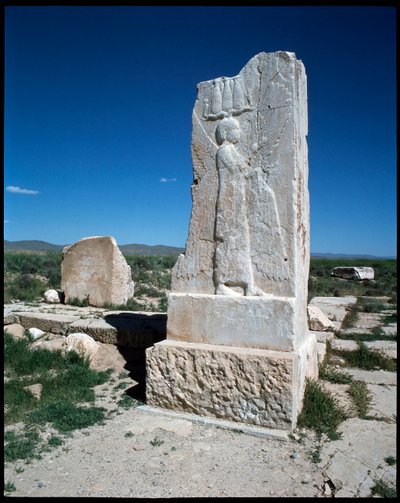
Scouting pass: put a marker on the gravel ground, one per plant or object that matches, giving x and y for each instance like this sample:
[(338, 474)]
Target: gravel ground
[(144, 454)]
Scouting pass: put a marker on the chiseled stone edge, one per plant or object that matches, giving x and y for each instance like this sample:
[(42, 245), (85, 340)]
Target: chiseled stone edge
[(245, 385), (253, 430)]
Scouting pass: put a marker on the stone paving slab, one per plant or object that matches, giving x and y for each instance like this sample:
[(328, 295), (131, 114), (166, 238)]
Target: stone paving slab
[(389, 348), (48, 322), (127, 328), (374, 376), (356, 460), (322, 336), (384, 401), (391, 329)]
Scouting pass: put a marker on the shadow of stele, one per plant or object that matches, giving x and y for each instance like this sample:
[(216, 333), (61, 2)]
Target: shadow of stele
[(135, 333)]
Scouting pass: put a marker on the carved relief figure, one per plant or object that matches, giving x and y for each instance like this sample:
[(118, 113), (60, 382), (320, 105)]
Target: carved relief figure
[(232, 268)]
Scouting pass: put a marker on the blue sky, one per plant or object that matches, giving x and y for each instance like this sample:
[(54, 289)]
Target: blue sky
[(98, 105)]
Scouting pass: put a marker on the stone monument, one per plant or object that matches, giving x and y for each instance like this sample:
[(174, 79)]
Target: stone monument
[(95, 270), (238, 346)]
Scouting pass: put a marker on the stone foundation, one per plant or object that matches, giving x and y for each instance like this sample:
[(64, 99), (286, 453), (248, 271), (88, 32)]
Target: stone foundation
[(254, 386)]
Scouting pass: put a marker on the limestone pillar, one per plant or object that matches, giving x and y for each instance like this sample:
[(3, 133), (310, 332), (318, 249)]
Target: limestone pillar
[(238, 345)]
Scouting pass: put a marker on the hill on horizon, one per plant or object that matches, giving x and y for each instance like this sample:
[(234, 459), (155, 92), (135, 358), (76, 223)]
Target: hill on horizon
[(142, 249), (130, 249)]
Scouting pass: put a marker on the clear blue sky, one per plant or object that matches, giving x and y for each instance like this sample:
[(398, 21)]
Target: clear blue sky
[(98, 106)]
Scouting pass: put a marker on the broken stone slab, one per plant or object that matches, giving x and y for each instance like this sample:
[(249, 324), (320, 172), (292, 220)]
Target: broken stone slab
[(357, 273), (318, 320), (136, 330), (257, 322), (239, 384), (354, 459), (94, 269), (16, 330), (335, 308), (48, 322)]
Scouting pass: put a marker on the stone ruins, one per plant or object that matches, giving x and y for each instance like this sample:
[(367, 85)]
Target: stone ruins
[(238, 345), (95, 270)]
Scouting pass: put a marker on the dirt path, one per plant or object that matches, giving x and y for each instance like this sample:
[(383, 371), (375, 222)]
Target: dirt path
[(143, 454)]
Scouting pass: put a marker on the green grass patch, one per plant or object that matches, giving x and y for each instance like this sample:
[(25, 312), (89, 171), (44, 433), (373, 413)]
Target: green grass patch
[(389, 318), (66, 399), (351, 317), (371, 305), (127, 402), (375, 335), (365, 358), (383, 489), (361, 397), (321, 412), (66, 416), (335, 376), (21, 445), (390, 460), (9, 487)]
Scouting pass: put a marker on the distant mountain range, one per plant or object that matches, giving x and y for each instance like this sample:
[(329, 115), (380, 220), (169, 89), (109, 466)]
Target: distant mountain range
[(140, 249), (133, 249)]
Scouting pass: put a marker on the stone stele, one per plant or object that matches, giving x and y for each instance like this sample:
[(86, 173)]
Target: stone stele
[(237, 312), (95, 269)]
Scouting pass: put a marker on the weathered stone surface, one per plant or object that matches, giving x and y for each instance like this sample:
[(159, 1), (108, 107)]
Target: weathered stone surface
[(323, 336), (52, 342), (48, 322), (241, 284), (374, 376), (51, 296), (335, 308), (82, 344), (234, 321), (16, 330), (321, 351), (358, 273), (249, 229), (36, 333), (35, 389), (351, 460), (317, 319), (138, 330), (95, 269), (384, 401), (10, 319), (239, 384), (389, 348)]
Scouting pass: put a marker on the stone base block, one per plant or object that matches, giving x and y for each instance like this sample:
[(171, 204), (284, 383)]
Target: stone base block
[(253, 322), (245, 385)]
